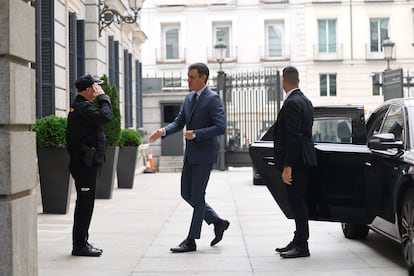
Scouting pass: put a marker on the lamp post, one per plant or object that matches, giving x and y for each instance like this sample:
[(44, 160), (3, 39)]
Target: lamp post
[(388, 46), (108, 15), (220, 52)]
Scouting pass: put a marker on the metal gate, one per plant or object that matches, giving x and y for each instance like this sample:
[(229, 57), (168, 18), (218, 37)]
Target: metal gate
[(252, 100)]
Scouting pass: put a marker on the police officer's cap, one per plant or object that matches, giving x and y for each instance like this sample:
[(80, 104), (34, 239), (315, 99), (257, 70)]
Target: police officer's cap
[(86, 81)]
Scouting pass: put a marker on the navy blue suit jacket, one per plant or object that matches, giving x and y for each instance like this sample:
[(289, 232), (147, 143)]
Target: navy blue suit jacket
[(208, 120)]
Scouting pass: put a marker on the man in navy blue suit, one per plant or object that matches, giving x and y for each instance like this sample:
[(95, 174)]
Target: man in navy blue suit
[(202, 114)]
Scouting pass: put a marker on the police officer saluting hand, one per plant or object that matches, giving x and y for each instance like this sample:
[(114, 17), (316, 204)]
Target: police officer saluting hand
[(85, 140)]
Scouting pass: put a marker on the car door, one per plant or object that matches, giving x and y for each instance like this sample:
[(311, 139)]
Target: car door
[(386, 167), (337, 188)]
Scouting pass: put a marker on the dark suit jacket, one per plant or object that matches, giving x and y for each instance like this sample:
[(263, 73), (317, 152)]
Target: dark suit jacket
[(293, 143), (208, 120)]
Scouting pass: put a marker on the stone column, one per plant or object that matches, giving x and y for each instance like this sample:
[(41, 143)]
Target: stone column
[(18, 223)]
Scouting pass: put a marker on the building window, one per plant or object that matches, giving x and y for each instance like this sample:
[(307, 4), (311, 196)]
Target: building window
[(171, 34), (274, 37), (128, 88), (327, 36), (412, 15), (377, 84), (378, 33), (327, 84), (45, 58), (222, 31)]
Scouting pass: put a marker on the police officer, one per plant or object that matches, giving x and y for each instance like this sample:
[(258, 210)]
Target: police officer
[(85, 140)]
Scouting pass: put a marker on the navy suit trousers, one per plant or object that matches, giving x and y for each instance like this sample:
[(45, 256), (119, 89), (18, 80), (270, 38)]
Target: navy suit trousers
[(194, 179)]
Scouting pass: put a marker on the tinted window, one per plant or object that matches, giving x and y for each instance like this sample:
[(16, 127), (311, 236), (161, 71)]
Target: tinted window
[(394, 122), (332, 130)]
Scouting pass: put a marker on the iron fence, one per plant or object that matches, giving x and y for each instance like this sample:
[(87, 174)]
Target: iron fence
[(251, 102)]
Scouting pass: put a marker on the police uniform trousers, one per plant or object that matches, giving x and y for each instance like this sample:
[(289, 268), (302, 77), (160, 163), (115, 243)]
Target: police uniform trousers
[(85, 183)]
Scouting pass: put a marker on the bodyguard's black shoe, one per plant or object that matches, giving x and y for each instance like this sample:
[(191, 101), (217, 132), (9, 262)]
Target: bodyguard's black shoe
[(219, 228), (286, 248), (87, 252), (295, 252), (187, 245), (92, 247)]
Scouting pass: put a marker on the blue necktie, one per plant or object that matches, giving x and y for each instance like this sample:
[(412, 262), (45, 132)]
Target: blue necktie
[(193, 101)]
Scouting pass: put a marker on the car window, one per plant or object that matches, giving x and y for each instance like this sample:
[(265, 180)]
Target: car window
[(332, 130), (394, 122), (375, 122)]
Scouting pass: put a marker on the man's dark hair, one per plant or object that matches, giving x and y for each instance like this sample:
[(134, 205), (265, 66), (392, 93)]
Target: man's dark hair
[(291, 75), (202, 69)]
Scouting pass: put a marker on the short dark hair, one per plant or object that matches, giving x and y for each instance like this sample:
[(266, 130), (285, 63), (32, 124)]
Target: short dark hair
[(202, 69), (291, 75)]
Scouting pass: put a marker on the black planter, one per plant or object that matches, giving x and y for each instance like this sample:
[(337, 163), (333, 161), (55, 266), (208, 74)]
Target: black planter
[(126, 166), (106, 179), (55, 185)]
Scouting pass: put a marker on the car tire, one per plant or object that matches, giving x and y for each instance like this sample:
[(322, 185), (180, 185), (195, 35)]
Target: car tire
[(407, 226), (354, 231)]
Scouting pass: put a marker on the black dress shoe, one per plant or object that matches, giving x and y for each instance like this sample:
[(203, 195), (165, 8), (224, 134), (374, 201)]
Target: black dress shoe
[(87, 251), (92, 247), (286, 248), (295, 252), (187, 245), (219, 228)]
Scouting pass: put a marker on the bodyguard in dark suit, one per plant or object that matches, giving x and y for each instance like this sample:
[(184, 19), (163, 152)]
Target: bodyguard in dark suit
[(202, 114), (294, 154)]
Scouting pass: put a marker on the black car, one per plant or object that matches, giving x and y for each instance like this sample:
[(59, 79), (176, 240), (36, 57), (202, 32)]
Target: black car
[(365, 173)]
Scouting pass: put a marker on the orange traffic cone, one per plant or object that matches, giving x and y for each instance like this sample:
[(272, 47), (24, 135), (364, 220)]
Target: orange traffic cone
[(150, 163)]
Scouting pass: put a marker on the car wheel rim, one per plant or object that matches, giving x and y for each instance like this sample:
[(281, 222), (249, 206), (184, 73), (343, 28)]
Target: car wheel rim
[(407, 231)]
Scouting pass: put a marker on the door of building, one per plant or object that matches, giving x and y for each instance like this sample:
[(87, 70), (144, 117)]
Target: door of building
[(173, 145)]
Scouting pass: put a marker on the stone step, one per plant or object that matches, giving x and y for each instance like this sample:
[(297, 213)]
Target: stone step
[(170, 164)]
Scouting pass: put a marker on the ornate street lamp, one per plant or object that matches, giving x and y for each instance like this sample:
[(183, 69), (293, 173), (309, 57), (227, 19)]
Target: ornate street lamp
[(220, 51), (107, 15), (388, 46)]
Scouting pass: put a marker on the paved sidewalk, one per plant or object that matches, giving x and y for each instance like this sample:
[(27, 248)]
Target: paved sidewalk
[(137, 227)]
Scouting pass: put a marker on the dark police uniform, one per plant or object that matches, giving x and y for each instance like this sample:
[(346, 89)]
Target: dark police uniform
[(85, 141)]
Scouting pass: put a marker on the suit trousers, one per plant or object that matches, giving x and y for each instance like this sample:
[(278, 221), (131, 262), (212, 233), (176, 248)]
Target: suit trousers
[(194, 179), (297, 197), (85, 183)]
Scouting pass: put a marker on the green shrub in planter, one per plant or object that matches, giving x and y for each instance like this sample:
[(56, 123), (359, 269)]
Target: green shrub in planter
[(53, 161), (112, 129), (50, 132), (128, 142), (129, 138)]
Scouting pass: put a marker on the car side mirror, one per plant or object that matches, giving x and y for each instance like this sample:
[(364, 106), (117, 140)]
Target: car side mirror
[(384, 141)]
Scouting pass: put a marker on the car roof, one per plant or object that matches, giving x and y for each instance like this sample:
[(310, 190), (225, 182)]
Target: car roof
[(405, 101)]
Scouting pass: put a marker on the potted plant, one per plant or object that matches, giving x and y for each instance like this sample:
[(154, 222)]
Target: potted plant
[(129, 141), (106, 179), (53, 163)]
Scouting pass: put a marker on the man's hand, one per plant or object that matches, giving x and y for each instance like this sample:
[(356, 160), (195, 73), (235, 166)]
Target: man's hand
[(189, 135), (287, 175), (97, 90), (155, 135)]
